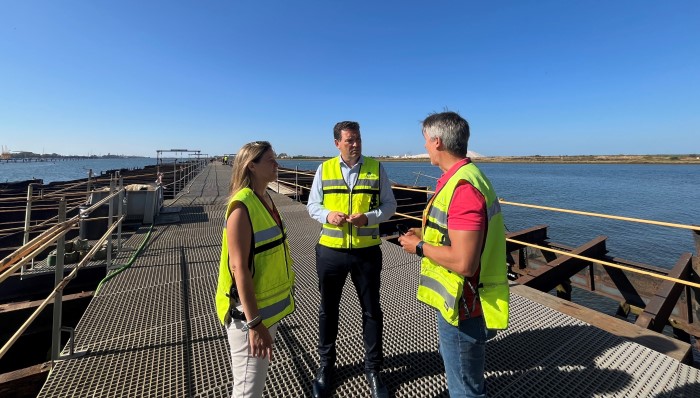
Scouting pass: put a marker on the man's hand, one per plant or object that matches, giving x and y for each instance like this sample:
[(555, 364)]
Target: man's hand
[(358, 219), (336, 218), (409, 240)]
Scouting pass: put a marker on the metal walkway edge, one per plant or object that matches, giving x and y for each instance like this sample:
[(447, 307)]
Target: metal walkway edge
[(153, 332)]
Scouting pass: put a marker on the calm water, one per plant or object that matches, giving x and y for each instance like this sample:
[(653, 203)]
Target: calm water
[(66, 170), (668, 193)]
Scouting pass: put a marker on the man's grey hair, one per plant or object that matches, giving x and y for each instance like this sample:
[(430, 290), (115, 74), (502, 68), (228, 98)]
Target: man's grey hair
[(452, 129)]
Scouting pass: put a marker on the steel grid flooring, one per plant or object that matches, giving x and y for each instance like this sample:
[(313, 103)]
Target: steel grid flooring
[(152, 331)]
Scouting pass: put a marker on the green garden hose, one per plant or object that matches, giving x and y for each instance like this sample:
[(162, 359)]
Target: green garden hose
[(128, 263)]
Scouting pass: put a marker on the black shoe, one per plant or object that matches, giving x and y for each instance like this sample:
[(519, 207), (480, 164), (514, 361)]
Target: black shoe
[(376, 385), (323, 383)]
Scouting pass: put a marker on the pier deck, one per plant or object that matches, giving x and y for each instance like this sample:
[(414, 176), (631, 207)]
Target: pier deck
[(152, 330)]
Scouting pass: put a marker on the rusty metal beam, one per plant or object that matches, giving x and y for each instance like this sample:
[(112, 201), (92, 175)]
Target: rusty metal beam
[(625, 287), (24, 382), (515, 253), (558, 271), (657, 312), (536, 234), (10, 307)]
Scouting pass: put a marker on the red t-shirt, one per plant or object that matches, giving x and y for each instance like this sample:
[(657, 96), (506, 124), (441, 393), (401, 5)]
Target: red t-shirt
[(467, 212)]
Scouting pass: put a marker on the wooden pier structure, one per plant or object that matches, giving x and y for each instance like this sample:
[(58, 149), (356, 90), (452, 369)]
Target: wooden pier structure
[(152, 330)]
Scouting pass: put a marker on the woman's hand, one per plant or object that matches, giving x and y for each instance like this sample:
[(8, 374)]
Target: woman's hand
[(260, 342)]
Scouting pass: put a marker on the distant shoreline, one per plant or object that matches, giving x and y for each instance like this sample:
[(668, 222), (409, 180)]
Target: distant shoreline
[(583, 159)]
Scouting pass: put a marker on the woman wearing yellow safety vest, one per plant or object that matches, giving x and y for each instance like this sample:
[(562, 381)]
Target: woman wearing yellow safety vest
[(254, 290), (463, 256)]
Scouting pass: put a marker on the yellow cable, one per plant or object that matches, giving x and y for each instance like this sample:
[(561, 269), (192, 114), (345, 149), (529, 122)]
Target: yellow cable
[(585, 213), (622, 267)]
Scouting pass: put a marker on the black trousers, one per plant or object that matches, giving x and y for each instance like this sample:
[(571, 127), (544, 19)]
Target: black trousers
[(364, 266)]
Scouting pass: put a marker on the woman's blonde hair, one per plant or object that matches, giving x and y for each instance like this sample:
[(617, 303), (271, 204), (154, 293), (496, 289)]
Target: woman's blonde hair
[(249, 153)]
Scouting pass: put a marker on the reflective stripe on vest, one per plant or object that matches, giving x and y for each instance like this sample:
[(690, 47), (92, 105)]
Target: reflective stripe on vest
[(273, 276), (363, 197), (442, 288)]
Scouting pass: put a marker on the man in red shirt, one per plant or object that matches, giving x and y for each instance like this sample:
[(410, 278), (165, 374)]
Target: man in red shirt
[(458, 250)]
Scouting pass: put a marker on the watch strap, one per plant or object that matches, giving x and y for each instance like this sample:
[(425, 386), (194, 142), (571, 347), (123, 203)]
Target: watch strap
[(419, 248)]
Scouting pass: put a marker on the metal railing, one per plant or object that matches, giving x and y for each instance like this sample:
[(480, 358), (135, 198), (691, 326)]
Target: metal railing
[(56, 234)]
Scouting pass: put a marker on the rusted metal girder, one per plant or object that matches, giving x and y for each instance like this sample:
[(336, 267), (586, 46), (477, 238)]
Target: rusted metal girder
[(559, 270), (621, 281), (657, 312), (515, 253), (657, 303)]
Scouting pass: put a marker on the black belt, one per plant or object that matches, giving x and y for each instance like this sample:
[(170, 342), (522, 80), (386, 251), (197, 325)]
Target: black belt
[(236, 314), (233, 311)]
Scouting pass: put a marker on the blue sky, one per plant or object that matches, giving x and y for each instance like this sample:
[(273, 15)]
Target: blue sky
[(532, 77)]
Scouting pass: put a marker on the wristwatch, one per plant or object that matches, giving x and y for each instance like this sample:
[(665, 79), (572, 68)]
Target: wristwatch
[(419, 249)]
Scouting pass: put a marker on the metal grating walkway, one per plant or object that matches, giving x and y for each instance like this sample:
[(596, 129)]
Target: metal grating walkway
[(152, 331)]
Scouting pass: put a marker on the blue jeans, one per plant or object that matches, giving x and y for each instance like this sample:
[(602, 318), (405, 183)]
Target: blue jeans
[(463, 351)]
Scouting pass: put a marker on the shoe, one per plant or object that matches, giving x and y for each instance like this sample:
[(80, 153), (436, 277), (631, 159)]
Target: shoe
[(323, 383), (376, 385)]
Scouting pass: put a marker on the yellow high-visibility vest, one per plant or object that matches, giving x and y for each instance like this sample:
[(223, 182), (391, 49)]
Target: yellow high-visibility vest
[(442, 288), (363, 197), (271, 266)]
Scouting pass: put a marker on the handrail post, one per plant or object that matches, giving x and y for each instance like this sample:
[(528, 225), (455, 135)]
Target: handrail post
[(188, 173), (120, 213), (28, 213), (58, 277), (696, 259), (174, 177), (27, 219), (109, 223), (89, 184), (296, 183)]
